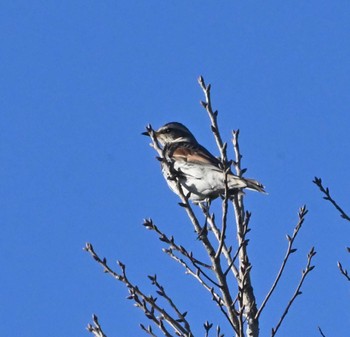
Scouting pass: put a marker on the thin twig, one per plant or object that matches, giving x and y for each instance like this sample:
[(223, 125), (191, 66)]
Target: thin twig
[(238, 155), (149, 224), (325, 191), (199, 271), (95, 329), (161, 292), (235, 256), (141, 300), (297, 292), (321, 332), (207, 327), (344, 271), (290, 250), (213, 118), (224, 218), (148, 330), (196, 274), (226, 251)]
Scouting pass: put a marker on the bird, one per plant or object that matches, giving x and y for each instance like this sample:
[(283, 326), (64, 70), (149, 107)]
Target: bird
[(199, 173)]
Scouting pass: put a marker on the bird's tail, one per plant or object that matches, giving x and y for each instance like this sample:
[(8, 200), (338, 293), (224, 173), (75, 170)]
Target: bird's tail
[(254, 185), (238, 183)]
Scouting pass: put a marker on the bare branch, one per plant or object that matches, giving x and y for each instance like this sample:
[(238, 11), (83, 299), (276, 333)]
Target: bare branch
[(148, 223), (224, 218), (321, 332), (148, 330), (161, 292), (213, 118), (343, 271), (238, 155), (297, 292), (248, 302), (207, 327), (218, 332), (325, 191), (290, 250), (196, 274), (217, 233), (95, 329), (246, 295), (146, 303), (243, 243), (241, 313), (154, 144)]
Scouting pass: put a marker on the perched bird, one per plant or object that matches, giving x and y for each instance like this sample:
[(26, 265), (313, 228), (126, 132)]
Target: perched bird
[(200, 174)]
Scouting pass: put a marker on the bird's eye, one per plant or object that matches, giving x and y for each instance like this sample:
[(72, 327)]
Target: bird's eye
[(167, 130)]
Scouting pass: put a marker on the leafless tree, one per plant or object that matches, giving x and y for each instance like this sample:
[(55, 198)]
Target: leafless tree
[(225, 274)]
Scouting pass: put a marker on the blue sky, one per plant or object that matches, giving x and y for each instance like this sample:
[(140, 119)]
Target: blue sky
[(79, 82)]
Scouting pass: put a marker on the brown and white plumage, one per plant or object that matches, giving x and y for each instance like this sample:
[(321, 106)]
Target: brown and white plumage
[(198, 171)]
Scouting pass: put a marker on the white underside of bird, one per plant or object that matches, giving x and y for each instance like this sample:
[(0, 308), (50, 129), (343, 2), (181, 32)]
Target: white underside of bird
[(202, 181)]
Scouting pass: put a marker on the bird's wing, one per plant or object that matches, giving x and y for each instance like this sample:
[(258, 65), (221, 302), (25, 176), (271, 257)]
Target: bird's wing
[(191, 153)]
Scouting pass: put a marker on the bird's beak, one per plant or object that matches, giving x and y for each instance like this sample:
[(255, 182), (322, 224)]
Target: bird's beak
[(146, 133)]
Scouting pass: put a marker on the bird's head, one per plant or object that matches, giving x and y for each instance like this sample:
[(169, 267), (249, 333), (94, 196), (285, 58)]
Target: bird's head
[(174, 132)]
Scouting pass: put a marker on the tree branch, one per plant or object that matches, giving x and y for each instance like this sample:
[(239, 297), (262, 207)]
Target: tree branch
[(213, 118), (325, 191), (343, 271), (217, 233), (321, 332), (290, 250), (148, 330), (246, 292), (224, 218), (146, 303), (161, 292), (95, 329), (297, 292)]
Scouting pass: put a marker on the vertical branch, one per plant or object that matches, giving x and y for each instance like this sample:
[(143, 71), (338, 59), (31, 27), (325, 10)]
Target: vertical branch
[(238, 155), (216, 265), (224, 218), (225, 250), (246, 294), (214, 120), (246, 291), (225, 164)]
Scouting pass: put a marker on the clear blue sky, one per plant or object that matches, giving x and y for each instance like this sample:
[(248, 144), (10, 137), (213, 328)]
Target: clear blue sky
[(79, 82)]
